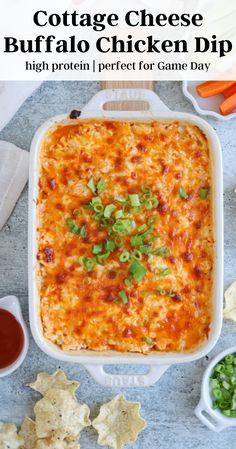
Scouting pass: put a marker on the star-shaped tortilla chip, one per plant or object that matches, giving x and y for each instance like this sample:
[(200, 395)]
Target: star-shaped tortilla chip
[(60, 415), (119, 422), (56, 443), (230, 302), (9, 439), (28, 433), (31, 441), (58, 380)]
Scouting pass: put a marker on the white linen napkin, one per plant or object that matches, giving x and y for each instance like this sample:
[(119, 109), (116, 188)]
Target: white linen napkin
[(14, 162), (14, 168), (12, 96)]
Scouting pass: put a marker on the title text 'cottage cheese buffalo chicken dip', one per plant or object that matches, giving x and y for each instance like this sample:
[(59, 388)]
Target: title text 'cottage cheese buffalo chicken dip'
[(125, 236)]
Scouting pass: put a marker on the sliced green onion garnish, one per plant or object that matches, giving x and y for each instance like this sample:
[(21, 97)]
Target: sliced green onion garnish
[(119, 242), (148, 231), (128, 224), (122, 298), (152, 220), (136, 254), (163, 251), (125, 207), (137, 270), (91, 185), (134, 200), (98, 216), (120, 199), (124, 257), (164, 272), (151, 203), (142, 227), (182, 193), (101, 186), (108, 210), (134, 210), (97, 204), (223, 387), (148, 341), (102, 258), (229, 359), (134, 266), (171, 293), (119, 214), (88, 206), (145, 249), (74, 229), (97, 249), (203, 193), (136, 240), (148, 195), (123, 226), (106, 222), (110, 245), (77, 212), (128, 281), (163, 292), (83, 231), (72, 226), (153, 238), (145, 188), (96, 200), (89, 263), (81, 260)]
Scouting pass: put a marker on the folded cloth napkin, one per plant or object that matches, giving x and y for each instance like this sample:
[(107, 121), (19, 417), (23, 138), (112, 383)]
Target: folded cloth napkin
[(12, 95), (14, 168), (14, 162)]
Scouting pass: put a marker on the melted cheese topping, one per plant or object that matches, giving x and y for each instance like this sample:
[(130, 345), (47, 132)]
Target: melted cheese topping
[(169, 309)]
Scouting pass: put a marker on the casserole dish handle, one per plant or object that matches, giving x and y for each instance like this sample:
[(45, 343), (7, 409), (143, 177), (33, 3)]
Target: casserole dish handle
[(95, 106), (126, 380), (209, 418)]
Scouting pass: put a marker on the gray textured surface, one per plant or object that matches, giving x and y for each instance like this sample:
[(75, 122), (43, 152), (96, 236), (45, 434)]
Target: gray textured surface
[(168, 406)]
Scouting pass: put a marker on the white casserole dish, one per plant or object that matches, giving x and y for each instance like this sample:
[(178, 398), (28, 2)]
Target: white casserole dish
[(158, 362)]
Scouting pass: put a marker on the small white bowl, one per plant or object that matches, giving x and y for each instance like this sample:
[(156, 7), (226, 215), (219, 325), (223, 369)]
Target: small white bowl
[(205, 106), (213, 418), (12, 305)]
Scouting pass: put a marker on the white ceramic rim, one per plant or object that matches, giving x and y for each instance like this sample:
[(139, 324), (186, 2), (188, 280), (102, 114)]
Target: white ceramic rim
[(12, 305), (156, 361), (201, 111), (219, 421)]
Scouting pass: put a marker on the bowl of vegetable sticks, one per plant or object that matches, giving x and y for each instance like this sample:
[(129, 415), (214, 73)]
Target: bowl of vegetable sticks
[(214, 98), (217, 406)]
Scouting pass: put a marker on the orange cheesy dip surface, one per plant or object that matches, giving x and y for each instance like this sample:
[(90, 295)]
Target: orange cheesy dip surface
[(125, 236)]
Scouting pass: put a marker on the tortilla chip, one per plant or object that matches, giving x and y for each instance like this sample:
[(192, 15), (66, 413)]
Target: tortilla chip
[(28, 433), (230, 303), (8, 437), (119, 422), (59, 380), (60, 415), (56, 443)]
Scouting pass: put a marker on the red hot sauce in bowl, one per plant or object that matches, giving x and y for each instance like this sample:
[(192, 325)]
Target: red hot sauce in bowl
[(11, 339)]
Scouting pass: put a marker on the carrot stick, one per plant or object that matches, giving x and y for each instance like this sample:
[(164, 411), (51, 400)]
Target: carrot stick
[(230, 91), (211, 88), (228, 105)]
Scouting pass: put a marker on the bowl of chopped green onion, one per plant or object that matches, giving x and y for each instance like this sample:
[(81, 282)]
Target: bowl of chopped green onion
[(217, 406)]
